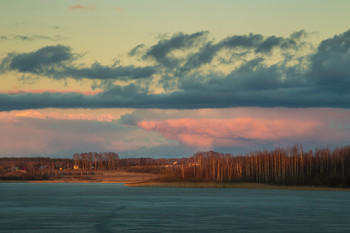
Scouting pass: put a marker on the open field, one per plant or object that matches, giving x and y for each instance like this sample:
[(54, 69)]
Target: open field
[(103, 177)]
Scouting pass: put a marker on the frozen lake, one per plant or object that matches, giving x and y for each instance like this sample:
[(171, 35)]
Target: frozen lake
[(93, 207)]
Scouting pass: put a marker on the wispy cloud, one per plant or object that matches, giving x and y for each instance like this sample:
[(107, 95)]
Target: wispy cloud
[(82, 7), (118, 9), (30, 37)]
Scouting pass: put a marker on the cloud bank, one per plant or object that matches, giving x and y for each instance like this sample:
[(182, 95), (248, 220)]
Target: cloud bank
[(56, 62), (169, 133), (245, 128), (53, 133), (229, 132), (193, 71)]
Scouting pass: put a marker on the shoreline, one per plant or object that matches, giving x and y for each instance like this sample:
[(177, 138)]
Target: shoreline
[(133, 179), (231, 185)]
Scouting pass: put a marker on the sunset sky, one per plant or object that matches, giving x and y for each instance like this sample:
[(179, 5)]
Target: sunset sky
[(162, 78)]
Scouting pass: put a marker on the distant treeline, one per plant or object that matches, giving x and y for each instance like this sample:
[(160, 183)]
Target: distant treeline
[(290, 166), (281, 166), (87, 163), (96, 161), (32, 168)]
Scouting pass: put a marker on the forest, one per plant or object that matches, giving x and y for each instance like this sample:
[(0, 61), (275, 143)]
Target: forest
[(280, 166)]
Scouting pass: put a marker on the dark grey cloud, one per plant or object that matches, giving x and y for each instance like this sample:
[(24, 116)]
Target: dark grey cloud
[(330, 65), (57, 62), (41, 60), (254, 42), (98, 71), (204, 96), (299, 35), (135, 50), (179, 41), (208, 49), (271, 42), (319, 79)]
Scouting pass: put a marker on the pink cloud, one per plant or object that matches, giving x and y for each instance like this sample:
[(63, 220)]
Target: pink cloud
[(57, 131), (39, 91), (81, 7), (48, 136), (13, 116), (26, 137), (118, 9), (208, 133)]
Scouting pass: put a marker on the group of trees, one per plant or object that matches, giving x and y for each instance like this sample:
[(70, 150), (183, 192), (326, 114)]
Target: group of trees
[(37, 168), (32, 167), (87, 163), (96, 161), (291, 166), (282, 166)]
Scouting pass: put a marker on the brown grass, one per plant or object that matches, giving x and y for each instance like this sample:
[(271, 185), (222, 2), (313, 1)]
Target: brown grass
[(103, 177)]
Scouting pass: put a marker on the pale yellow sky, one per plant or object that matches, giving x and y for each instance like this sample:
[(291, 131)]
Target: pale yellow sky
[(102, 32)]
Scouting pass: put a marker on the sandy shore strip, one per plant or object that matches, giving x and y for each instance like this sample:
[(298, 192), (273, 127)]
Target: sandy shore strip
[(229, 185), (133, 179)]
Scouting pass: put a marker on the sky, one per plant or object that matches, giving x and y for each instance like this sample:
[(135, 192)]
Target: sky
[(170, 78)]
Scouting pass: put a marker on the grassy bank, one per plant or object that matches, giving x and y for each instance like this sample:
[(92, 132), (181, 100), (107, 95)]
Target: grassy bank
[(230, 185)]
